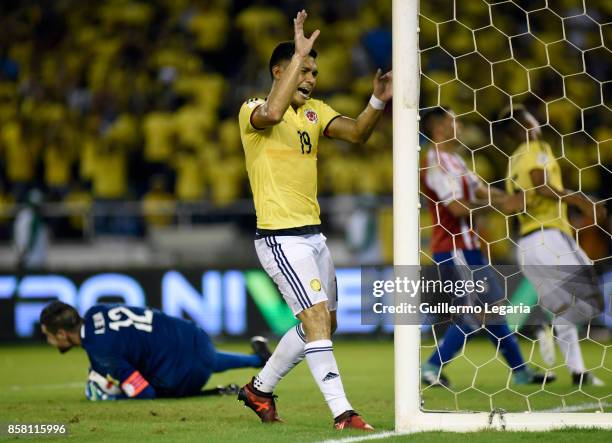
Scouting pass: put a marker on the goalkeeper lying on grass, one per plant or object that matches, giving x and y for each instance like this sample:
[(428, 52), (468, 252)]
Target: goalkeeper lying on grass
[(141, 353)]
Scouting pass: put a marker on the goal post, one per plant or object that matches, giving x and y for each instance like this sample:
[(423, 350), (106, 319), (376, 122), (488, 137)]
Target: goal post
[(409, 416), (406, 195)]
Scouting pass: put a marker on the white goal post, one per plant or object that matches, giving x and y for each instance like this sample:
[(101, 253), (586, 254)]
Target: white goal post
[(408, 414)]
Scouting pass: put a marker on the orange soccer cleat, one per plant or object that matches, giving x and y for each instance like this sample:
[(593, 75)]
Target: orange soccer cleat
[(260, 402), (351, 420)]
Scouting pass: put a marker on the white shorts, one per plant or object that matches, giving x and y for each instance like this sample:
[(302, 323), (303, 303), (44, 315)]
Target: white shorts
[(561, 273), (550, 247), (302, 268)]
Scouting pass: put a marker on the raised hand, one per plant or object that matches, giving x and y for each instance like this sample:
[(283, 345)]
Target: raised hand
[(383, 85), (303, 45), (595, 212)]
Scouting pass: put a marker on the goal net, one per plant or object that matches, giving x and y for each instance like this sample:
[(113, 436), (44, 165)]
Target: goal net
[(482, 65)]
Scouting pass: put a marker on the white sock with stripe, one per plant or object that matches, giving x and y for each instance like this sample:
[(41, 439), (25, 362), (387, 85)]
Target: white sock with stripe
[(288, 353), (323, 367)]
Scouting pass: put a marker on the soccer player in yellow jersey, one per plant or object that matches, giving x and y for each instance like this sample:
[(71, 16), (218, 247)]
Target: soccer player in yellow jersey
[(547, 252), (280, 137)]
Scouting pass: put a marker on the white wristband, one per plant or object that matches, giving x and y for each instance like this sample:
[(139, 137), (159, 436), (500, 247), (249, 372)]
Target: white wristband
[(376, 103)]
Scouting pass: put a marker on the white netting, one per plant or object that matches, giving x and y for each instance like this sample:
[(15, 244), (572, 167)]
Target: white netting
[(555, 58)]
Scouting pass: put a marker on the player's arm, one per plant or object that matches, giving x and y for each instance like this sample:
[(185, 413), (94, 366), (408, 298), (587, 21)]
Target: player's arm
[(449, 189), (589, 208), (487, 198), (271, 112), (133, 385), (508, 204), (463, 208), (359, 130)]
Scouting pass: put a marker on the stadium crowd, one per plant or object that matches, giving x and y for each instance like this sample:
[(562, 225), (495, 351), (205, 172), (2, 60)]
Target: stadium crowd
[(123, 100)]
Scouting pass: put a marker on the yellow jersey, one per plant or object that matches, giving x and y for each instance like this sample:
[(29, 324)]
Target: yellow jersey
[(281, 162), (541, 212)]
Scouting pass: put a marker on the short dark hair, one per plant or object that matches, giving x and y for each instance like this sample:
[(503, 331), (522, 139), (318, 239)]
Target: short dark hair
[(58, 315), (506, 133), (284, 51), (431, 117), (517, 110)]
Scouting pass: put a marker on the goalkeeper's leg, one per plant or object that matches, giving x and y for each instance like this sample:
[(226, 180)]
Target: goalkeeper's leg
[(231, 360)]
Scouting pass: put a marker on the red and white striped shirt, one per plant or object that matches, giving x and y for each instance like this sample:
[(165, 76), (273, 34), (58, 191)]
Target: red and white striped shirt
[(445, 177)]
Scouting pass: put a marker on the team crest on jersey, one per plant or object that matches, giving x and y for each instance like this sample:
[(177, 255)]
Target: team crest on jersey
[(542, 159), (315, 284), (311, 116)]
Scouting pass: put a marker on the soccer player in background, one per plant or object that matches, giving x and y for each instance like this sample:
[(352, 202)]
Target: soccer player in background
[(546, 236), (280, 136), (143, 352), (453, 191)]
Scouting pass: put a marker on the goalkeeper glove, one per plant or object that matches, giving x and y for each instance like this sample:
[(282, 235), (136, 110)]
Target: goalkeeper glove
[(94, 392), (99, 387)]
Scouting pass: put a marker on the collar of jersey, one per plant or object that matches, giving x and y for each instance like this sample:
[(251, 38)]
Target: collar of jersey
[(295, 111)]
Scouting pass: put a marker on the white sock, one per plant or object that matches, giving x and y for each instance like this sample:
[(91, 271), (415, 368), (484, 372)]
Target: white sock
[(323, 367), (567, 339), (288, 353)]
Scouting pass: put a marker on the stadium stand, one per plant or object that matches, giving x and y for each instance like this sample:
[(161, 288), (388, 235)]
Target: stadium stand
[(120, 108)]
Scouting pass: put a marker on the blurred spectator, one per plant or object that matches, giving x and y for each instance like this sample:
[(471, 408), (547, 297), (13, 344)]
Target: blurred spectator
[(20, 157), (6, 205), (80, 201), (158, 204), (362, 232), (109, 94), (190, 184), (58, 166), (158, 128), (30, 235), (378, 44), (110, 188)]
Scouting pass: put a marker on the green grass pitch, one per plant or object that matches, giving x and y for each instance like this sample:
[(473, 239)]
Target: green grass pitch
[(38, 385)]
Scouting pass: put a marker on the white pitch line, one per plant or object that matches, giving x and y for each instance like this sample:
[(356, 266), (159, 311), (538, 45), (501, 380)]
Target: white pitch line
[(386, 434), (576, 408), (52, 386), (376, 436)]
